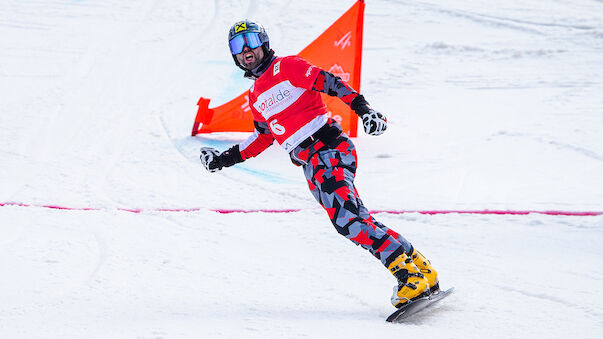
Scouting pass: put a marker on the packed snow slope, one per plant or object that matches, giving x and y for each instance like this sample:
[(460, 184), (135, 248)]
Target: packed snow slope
[(491, 105)]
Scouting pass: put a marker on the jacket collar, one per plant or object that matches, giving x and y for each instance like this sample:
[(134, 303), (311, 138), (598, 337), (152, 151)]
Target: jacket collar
[(262, 67)]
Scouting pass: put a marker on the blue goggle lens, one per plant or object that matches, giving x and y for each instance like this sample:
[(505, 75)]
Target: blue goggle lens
[(251, 40)]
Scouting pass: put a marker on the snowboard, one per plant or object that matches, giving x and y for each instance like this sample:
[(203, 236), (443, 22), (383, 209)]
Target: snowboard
[(418, 305)]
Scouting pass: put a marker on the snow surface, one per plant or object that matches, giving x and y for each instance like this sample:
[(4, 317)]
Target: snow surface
[(492, 105)]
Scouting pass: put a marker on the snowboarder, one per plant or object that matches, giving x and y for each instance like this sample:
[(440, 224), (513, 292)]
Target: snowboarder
[(287, 107)]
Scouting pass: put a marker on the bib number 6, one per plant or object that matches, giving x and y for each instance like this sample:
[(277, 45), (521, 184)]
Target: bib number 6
[(276, 128)]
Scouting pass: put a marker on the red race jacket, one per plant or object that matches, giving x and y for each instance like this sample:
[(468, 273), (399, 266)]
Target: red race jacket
[(283, 100)]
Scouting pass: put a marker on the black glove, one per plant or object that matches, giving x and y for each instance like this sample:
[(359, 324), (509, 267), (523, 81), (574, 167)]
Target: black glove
[(374, 123), (214, 161)]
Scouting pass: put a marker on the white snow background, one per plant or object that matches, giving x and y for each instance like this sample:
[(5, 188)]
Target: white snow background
[(491, 105)]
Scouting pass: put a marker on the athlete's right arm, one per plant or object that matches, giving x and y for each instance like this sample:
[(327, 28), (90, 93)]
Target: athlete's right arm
[(214, 161), (260, 140)]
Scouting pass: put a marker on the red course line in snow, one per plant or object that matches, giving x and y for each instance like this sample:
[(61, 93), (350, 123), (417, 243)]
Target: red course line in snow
[(501, 212), (293, 210), (256, 211)]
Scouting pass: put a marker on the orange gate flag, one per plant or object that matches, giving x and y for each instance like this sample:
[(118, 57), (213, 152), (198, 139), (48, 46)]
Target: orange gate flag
[(337, 50)]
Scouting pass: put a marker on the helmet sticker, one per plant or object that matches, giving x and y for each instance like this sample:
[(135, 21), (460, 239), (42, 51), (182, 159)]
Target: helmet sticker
[(240, 26)]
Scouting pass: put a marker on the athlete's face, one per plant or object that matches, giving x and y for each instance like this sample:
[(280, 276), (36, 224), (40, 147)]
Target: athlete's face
[(250, 58)]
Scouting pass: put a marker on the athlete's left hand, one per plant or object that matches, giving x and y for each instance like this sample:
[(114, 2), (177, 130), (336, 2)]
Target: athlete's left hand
[(374, 123)]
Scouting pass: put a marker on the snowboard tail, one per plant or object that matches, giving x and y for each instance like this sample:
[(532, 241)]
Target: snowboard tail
[(418, 305)]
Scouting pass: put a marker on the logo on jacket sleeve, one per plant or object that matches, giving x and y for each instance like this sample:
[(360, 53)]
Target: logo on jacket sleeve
[(309, 71)]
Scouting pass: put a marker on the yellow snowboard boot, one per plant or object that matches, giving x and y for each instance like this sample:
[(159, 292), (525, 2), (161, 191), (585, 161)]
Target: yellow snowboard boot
[(411, 283), (425, 267)]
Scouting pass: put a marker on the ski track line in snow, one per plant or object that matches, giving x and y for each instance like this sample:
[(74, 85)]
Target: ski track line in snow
[(293, 210)]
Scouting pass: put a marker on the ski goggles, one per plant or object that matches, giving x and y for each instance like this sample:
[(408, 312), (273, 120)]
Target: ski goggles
[(249, 39)]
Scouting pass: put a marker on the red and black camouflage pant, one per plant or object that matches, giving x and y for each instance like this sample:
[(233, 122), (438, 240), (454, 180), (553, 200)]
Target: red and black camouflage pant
[(330, 173)]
